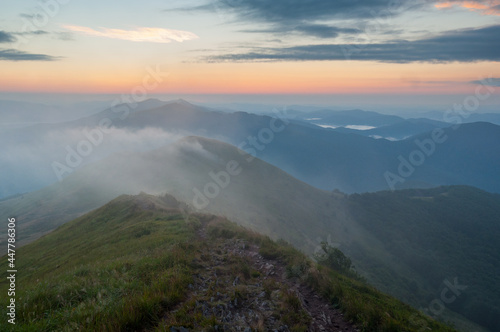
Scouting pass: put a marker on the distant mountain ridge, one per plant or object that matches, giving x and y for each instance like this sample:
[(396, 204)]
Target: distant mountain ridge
[(327, 159)]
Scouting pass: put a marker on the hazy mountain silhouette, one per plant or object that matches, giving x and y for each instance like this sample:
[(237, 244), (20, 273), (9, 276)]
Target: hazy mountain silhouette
[(321, 157)]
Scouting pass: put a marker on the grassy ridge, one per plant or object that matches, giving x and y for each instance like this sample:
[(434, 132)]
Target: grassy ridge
[(112, 269), (126, 265)]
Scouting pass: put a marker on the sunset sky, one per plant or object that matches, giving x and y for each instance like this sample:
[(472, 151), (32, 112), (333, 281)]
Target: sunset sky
[(250, 46)]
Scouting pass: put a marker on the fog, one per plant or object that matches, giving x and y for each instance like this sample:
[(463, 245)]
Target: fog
[(18, 114), (30, 165)]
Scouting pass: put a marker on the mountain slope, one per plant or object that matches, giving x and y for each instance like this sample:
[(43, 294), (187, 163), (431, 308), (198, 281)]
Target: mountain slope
[(447, 232), (468, 156), (187, 167), (264, 198), (138, 264)]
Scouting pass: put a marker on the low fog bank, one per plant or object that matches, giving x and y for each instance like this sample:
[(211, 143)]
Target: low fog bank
[(208, 175), (29, 165)]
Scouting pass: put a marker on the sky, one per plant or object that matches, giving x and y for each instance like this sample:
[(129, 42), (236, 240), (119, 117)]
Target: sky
[(250, 47)]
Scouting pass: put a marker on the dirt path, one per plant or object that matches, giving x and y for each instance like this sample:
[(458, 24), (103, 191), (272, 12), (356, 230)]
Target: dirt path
[(324, 316), (258, 303)]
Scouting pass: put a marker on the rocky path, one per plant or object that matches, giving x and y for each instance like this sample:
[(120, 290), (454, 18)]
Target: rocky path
[(244, 291), (323, 316)]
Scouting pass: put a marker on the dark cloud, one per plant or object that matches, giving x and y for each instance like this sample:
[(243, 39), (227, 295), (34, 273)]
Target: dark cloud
[(31, 16), (302, 17), (199, 8), (6, 37), (314, 30), (31, 33), (492, 81), (278, 11), (324, 31), (15, 55), (10, 37), (467, 45)]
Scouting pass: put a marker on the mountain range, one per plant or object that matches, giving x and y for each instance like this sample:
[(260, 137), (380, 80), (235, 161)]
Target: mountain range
[(328, 159)]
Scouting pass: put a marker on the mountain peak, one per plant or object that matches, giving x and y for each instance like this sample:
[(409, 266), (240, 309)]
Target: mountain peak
[(180, 101)]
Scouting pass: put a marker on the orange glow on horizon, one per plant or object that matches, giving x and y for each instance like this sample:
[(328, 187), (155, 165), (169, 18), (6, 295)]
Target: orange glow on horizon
[(378, 87), (349, 77)]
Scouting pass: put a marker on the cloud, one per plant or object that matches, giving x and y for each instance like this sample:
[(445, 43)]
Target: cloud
[(310, 29), (6, 37), (10, 37), (152, 35), (299, 10), (116, 139), (485, 7), (31, 16), (66, 36), (492, 81), (26, 161), (324, 31), (466, 45), (15, 55), (32, 33), (308, 17)]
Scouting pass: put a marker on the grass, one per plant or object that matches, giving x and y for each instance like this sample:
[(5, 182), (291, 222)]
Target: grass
[(362, 304), (126, 268), (117, 268)]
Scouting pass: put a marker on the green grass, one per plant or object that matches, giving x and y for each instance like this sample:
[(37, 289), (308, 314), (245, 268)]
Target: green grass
[(126, 268), (117, 268), (362, 304)]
